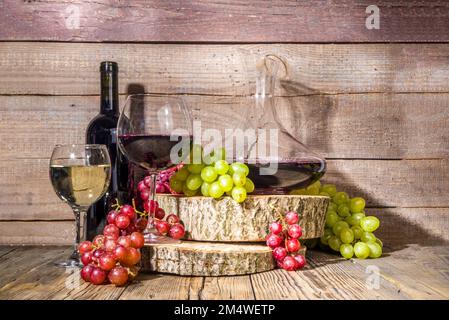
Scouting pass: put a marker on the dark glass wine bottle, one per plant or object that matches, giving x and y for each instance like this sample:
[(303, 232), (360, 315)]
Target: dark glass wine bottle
[(102, 130)]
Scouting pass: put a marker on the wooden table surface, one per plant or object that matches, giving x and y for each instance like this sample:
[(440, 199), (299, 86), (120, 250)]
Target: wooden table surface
[(413, 272)]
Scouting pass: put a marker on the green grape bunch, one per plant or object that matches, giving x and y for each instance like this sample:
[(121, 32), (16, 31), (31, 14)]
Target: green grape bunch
[(348, 230), (213, 177)]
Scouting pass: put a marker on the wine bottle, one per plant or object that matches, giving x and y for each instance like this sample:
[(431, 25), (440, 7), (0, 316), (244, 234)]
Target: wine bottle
[(103, 130)]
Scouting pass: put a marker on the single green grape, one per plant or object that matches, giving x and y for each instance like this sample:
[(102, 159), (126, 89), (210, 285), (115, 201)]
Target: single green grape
[(361, 250), (298, 192), (340, 197), (249, 185), (176, 184), (182, 174), (347, 251), (355, 218), (346, 235), (375, 250), (316, 184), (326, 236), (218, 154), (195, 168), (334, 243), (338, 226), (313, 189), (331, 218), (368, 237), (329, 188), (357, 204), (209, 174), (196, 155), (187, 192), (205, 188), (370, 223), (238, 167), (221, 166), (239, 194), (239, 179), (215, 190), (332, 206), (194, 181), (226, 182), (379, 242), (358, 232), (343, 211)]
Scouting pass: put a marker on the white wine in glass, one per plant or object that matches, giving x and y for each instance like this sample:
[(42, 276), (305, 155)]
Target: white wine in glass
[(80, 175)]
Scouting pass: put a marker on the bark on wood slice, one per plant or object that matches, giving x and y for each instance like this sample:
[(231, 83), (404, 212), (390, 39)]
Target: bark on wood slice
[(192, 258), (225, 220)]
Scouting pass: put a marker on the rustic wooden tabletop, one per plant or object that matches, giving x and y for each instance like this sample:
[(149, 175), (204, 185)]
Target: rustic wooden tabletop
[(413, 272)]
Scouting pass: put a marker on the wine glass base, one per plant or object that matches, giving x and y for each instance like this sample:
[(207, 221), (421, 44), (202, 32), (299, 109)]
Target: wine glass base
[(155, 238), (68, 264)]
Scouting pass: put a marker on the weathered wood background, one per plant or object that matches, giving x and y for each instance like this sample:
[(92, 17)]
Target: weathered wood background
[(375, 105)]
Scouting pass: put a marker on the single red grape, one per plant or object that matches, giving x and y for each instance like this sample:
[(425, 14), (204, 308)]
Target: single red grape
[(97, 276), (122, 221), (137, 240), (160, 214), (292, 245), (145, 195), (132, 257), (141, 187), (151, 206), (274, 240), (120, 253), (294, 231), (128, 211), (111, 231), (98, 241), (147, 181), (291, 217), (86, 272), (279, 253), (85, 246), (276, 228), (177, 231), (172, 219), (289, 263), (300, 260), (124, 241), (107, 262), (97, 254), (110, 244), (160, 188), (118, 276), (131, 228), (141, 224), (111, 216), (86, 258), (162, 227)]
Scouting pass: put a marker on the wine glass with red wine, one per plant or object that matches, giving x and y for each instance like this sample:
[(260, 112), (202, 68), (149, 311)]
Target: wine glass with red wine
[(155, 133)]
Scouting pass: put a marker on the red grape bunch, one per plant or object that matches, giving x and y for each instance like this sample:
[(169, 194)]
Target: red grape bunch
[(171, 226), (285, 243), (113, 256), (162, 183)]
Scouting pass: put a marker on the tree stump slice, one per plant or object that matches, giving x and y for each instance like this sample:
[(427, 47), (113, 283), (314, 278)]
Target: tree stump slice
[(191, 258), (224, 220)]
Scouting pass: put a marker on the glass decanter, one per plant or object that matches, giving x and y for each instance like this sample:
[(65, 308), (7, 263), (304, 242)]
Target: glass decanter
[(277, 160)]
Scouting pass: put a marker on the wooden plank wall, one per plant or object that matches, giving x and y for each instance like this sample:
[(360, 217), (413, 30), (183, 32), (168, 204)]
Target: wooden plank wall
[(375, 106)]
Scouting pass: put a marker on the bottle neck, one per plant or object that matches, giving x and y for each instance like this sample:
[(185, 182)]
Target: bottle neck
[(109, 93)]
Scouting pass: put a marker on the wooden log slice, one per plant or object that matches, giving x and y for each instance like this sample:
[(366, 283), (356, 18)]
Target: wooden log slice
[(224, 220), (191, 258)]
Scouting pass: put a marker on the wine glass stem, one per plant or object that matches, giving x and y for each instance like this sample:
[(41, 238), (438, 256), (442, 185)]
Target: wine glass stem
[(153, 197), (80, 232)]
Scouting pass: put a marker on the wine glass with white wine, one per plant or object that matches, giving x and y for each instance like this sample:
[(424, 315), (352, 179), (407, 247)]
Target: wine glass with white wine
[(80, 175)]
